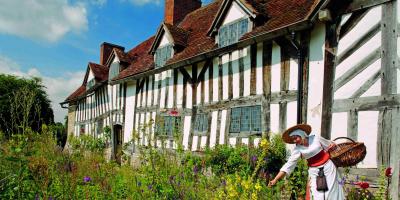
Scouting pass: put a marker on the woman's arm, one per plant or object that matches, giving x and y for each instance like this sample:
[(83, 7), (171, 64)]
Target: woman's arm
[(278, 177), (288, 167)]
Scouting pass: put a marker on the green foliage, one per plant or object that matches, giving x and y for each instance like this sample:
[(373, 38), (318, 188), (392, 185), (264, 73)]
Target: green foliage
[(297, 181), (23, 104)]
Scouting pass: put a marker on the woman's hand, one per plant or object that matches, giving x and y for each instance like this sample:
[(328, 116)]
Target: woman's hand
[(272, 183), (331, 146)]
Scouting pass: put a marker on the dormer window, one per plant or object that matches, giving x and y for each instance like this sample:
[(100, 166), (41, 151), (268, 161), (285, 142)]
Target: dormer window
[(90, 83), (162, 55), (231, 33), (114, 70)]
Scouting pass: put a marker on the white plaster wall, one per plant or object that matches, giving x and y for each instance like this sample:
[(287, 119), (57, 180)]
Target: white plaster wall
[(339, 125), (203, 142), (150, 92), (186, 132), (165, 40), (232, 141), (234, 13), (198, 89), (215, 79), (195, 140), (316, 71), (374, 90), (348, 89), (90, 76), (163, 88), (293, 77), (179, 91), (189, 90), (259, 69), (247, 71), (276, 68), (148, 127), (225, 74), (171, 90), (370, 19), (144, 94), (256, 141), (274, 118), (235, 74), (222, 127), (129, 111), (291, 117), (245, 141), (207, 85), (368, 133), (213, 133)]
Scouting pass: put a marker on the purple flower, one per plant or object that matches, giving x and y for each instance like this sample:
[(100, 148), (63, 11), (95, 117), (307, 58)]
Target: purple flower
[(150, 187), (36, 197), (139, 183), (50, 198), (357, 178), (87, 179), (254, 158), (223, 182), (195, 169)]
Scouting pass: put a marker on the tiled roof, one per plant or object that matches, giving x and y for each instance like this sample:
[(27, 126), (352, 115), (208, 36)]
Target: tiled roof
[(100, 72), (191, 33), (141, 60), (122, 56), (179, 35), (78, 92)]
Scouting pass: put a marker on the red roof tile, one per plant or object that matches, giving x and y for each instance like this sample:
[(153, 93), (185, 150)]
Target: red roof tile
[(179, 35), (122, 56), (100, 72), (78, 92), (195, 25), (141, 60)]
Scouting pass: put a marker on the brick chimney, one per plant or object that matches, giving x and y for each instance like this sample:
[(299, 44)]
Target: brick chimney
[(176, 10), (105, 51)]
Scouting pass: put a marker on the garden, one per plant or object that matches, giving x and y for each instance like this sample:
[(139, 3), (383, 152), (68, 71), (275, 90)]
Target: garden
[(33, 166)]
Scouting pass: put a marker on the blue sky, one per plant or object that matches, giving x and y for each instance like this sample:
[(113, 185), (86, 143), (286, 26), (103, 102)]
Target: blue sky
[(55, 39)]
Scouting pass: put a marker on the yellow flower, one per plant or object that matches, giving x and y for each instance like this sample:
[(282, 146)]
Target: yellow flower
[(264, 144), (254, 196), (246, 184), (257, 186)]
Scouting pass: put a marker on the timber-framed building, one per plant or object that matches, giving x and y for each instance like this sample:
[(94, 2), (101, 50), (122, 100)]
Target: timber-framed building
[(234, 70)]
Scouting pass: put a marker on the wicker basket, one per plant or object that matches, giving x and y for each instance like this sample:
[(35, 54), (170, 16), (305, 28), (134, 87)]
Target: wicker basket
[(347, 154)]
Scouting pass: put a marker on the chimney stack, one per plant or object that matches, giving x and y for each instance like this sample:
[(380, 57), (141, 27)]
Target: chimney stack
[(176, 10), (105, 51)]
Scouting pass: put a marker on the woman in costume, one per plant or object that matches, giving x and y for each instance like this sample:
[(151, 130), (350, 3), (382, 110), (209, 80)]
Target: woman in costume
[(323, 175)]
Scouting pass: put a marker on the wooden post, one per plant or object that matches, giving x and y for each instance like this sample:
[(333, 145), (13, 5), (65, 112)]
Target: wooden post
[(331, 43), (389, 142)]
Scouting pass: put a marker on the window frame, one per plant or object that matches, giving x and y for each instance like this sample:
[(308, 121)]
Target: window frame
[(205, 126), (161, 119), (253, 124), (159, 53), (228, 33)]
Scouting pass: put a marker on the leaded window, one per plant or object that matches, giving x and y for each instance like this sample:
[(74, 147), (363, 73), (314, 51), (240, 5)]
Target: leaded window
[(114, 71), (168, 125), (231, 33), (162, 55), (201, 123), (245, 119)]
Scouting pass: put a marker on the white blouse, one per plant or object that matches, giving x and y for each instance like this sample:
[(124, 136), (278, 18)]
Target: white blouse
[(316, 144)]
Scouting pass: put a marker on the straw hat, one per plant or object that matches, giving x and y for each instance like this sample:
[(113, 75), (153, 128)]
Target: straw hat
[(285, 136)]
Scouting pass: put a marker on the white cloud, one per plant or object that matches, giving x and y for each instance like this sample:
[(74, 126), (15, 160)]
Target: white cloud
[(143, 2), (46, 20), (58, 88)]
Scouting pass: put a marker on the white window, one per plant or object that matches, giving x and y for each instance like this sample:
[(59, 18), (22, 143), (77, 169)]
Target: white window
[(231, 33), (201, 123), (168, 125), (162, 55), (114, 70)]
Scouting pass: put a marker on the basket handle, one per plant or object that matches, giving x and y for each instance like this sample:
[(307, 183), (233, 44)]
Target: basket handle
[(344, 138)]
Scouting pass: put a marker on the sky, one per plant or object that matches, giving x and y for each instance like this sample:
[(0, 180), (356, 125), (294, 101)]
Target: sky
[(55, 39)]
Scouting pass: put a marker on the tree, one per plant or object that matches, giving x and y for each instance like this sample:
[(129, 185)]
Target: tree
[(23, 104)]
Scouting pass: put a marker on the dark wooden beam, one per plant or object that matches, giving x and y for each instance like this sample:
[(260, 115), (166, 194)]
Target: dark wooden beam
[(366, 103), (352, 22), (186, 75), (253, 66), (358, 68), (356, 5), (358, 43)]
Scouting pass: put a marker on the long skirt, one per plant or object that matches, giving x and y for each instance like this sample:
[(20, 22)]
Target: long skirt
[(335, 190)]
